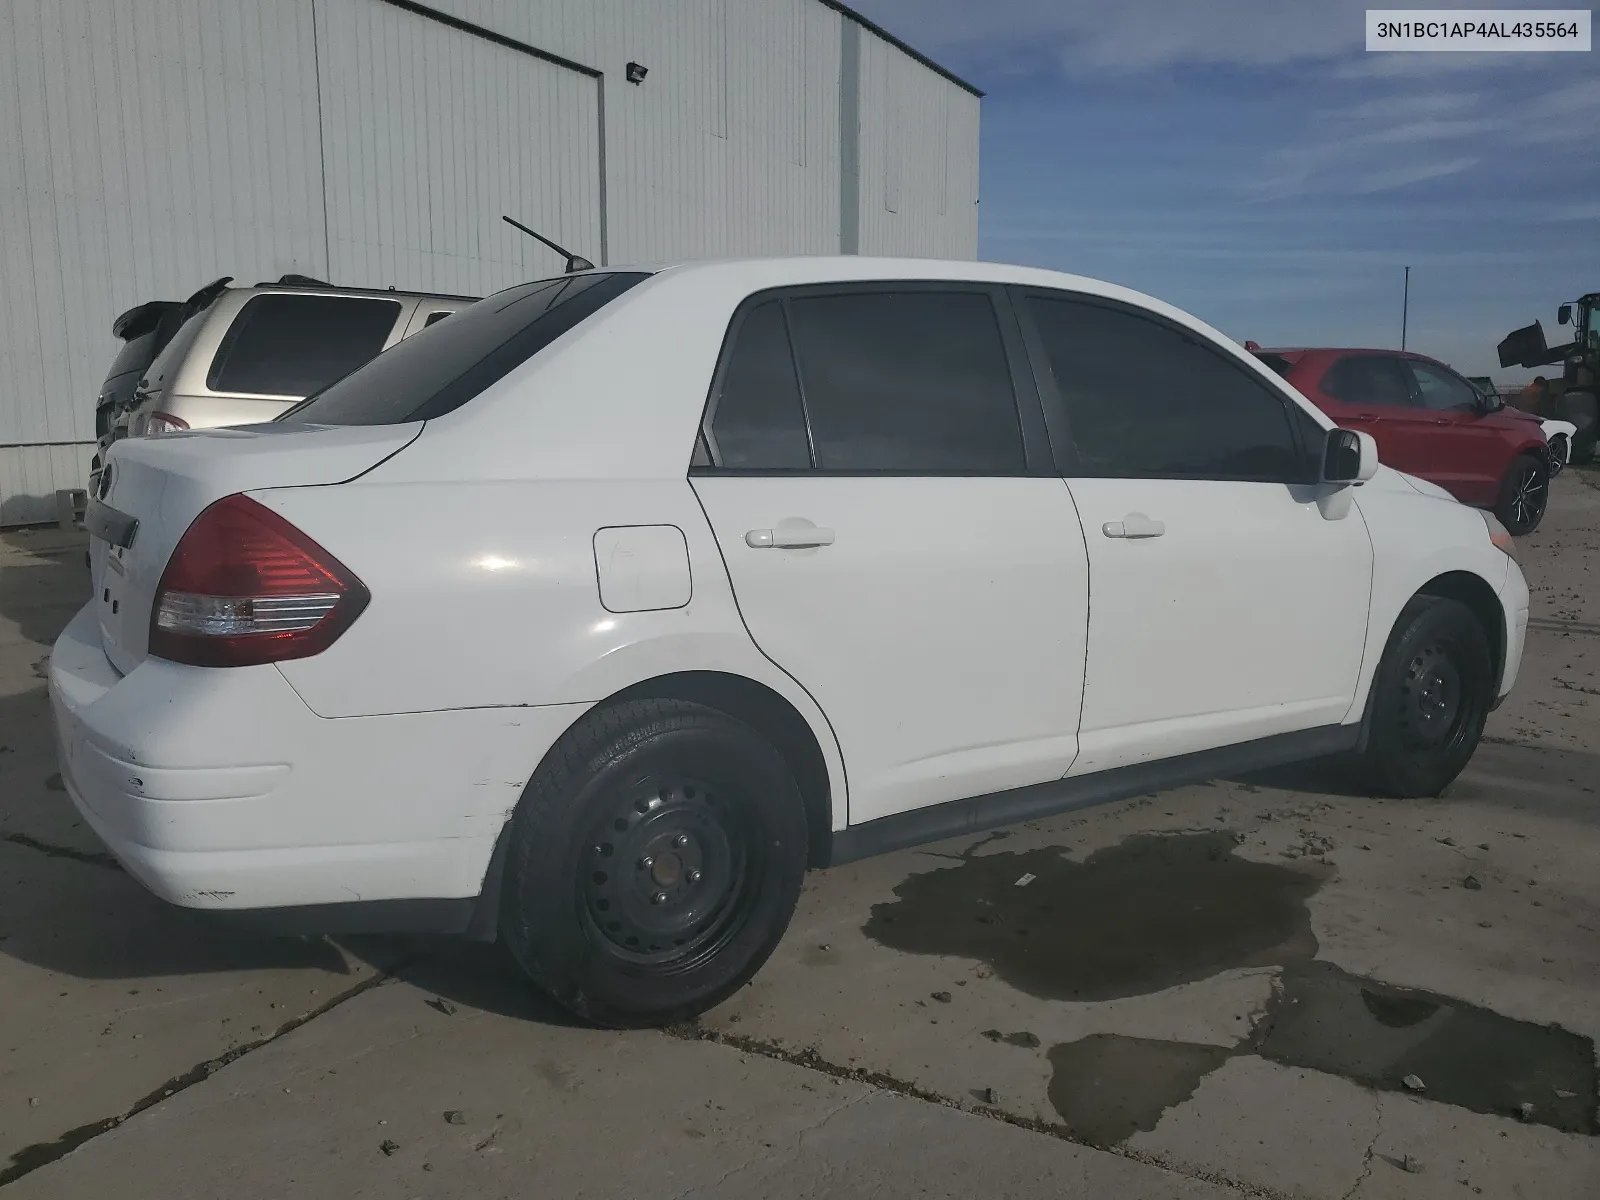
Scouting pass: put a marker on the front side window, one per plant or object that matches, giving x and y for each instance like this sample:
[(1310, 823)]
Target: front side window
[(1144, 399), (1441, 391), (913, 382), (284, 345), (1369, 379)]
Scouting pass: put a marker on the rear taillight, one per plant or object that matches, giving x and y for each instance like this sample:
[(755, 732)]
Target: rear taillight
[(246, 587), (158, 423)]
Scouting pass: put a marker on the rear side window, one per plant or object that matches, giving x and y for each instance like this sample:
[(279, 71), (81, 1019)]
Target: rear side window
[(437, 370), (907, 381), (293, 345), (1147, 400), (435, 318), (757, 421), (1368, 379), (164, 369)]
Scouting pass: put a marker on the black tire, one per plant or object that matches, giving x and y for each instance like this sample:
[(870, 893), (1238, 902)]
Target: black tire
[(1559, 450), (667, 823), (1524, 494), (1429, 700)]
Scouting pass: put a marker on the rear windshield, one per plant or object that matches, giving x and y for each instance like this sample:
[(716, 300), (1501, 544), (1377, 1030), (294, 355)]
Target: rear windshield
[(282, 345), (440, 368)]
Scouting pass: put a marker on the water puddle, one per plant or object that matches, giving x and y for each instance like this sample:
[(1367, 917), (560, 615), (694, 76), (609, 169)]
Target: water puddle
[(1108, 1087), (1147, 914), (1376, 1035), (1157, 911)]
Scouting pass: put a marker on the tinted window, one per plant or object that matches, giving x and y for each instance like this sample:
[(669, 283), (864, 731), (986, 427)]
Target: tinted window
[(907, 381), (293, 345), (1146, 400), (757, 421), (1441, 391), (435, 318), (437, 370), (162, 371), (1368, 379)]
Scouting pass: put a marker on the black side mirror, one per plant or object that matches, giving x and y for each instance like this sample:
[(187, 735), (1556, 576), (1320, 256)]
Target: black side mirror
[(1348, 457), (1563, 314)]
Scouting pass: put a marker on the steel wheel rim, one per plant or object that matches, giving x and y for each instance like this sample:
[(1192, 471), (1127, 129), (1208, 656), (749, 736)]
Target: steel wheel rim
[(1439, 701), (1528, 496), (664, 873)]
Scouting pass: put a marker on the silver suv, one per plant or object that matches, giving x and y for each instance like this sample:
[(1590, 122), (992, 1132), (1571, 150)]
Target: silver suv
[(245, 354)]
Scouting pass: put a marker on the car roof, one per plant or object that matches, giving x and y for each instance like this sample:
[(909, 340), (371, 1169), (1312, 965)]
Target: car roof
[(301, 286), (1297, 351), (642, 364)]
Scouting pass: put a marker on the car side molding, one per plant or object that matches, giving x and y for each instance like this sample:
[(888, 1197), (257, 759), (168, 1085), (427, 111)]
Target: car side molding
[(977, 814)]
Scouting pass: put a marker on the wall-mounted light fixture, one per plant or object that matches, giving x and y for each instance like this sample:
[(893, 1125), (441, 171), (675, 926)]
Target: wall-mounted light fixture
[(637, 72)]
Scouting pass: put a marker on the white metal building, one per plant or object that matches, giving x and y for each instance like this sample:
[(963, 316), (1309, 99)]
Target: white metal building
[(151, 146)]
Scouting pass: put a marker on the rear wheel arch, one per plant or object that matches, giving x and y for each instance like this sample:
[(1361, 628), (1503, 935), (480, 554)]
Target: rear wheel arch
[(769, 714), (744, 699)]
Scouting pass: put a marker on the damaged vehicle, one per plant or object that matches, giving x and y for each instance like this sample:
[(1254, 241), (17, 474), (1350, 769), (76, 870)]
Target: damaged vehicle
[(589, 619)]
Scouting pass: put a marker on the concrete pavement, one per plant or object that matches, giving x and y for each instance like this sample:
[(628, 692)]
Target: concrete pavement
[(1216, 991)]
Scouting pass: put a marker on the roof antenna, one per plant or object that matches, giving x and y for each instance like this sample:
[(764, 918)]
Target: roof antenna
[(575, 262)]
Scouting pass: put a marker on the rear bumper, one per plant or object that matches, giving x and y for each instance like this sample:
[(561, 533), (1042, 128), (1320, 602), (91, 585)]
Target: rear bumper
[(219, 789)]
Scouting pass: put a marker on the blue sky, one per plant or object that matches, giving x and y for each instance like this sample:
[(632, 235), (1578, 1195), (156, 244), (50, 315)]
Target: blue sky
[(1249, 161)]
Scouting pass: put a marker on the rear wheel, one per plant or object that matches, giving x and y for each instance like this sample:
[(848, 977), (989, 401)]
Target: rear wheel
[(1429, 700), (1524, 495), (655, 861)]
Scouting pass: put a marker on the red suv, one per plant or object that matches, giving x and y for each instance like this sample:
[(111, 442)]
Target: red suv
[(1430, 422)]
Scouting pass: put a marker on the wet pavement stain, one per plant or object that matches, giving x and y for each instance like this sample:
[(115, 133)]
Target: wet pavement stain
[(1157, 911), (1108, 1087), (1328, 1020), (1145, 915)]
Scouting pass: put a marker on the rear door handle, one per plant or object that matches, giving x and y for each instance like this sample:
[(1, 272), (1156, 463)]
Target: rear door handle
[(795, 533), (1134, 525), (1441, 420)]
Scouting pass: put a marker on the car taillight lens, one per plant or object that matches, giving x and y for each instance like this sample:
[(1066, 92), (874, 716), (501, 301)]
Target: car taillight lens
[(246, 587), (158, 423)]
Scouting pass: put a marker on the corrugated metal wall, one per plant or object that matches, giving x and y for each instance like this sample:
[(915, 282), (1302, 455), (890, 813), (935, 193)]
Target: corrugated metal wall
[(158, 144), (147, 149), (430, 134)]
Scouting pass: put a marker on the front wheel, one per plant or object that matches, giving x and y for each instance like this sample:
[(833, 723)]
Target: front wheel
[(655, 861), (1559, 450), (1524, 495), (1430, 699)]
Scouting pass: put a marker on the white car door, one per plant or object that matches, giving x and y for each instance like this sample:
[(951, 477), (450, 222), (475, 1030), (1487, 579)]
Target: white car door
[(1228, 590), (875, 468)]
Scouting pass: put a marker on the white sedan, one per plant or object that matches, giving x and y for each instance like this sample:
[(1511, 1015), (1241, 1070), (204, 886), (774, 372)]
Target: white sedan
[(593, 617), (1558, 436)]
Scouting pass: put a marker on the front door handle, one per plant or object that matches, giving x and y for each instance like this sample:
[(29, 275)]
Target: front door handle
[(1134, 525), (793, 533), (1441, 420), (1361, 417)]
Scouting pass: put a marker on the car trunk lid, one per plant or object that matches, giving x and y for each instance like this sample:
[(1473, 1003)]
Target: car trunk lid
[(154, 488)]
